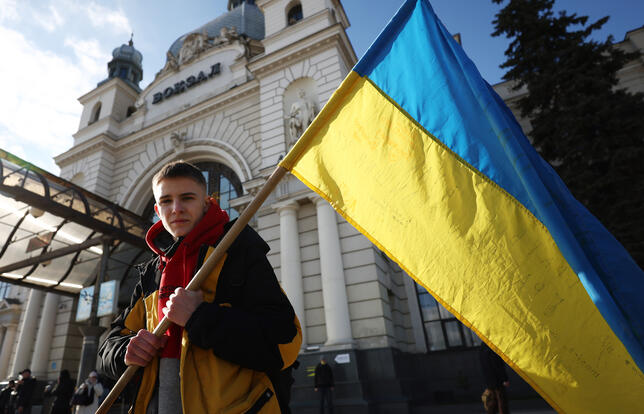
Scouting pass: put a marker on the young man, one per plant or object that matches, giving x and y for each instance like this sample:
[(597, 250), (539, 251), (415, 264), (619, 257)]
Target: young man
[(230, 340)]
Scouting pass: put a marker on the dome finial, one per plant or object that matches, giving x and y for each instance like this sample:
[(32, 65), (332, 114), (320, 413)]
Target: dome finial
[(131, 43)]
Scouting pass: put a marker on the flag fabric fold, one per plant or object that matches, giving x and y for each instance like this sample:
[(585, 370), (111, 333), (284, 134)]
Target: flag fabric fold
[(420, 154)]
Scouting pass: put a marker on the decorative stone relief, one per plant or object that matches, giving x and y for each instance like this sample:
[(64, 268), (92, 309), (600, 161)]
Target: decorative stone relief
[(193, 45), (197, 43), (178, 140), (301, 114)]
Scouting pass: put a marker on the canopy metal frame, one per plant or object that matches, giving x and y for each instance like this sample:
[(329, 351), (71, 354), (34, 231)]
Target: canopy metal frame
[(108, 224)]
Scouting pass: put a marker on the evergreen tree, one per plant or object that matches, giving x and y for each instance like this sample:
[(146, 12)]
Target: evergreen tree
[(591, 132)]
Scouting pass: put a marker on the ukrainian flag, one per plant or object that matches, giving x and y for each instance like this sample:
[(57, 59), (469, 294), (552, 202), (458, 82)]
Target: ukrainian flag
[(419, 153)]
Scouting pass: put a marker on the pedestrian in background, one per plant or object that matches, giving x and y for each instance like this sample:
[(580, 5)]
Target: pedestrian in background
[(26, 386), (5, 396), (62, 391), (324, 384), (91, 384), (496, 381)]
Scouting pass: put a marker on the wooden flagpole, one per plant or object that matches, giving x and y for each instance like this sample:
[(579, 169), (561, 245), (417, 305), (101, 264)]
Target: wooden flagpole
[(201, 275)]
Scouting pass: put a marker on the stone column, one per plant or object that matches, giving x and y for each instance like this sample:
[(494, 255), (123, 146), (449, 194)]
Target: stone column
[(334, 291), (40, 358), (27, 331), (91, 335), (92, 331), (7, 345), (291, 263)]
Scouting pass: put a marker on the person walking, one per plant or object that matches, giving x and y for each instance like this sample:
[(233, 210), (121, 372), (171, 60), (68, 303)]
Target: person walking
[(62, 391), (91, 384), (324, 384)]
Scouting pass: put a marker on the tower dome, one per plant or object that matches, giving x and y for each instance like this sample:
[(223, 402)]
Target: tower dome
[(243, 15), (126, 64), (127, 52)]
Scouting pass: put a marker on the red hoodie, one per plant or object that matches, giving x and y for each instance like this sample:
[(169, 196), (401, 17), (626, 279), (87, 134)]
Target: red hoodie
[(178, 269)]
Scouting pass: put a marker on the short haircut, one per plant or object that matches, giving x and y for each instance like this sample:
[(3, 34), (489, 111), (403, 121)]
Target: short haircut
[(177, 169)]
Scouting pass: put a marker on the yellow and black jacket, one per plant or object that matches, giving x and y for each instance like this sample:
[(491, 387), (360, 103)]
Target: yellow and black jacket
[(243, 334)]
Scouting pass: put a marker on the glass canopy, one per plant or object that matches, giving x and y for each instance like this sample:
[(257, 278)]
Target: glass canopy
[(53, 232)]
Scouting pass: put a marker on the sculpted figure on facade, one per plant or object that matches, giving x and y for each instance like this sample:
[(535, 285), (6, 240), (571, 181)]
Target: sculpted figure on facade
[(178, 140), (171, 62), (193, 45), (302, 113), (229, 33)]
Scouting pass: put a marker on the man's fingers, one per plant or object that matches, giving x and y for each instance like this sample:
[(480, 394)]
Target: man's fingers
[(143, 347), (135, 360), (137, 351), (151, 339), (136, 355)]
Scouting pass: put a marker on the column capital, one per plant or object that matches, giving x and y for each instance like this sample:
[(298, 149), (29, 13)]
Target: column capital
[(317, 200), (288, 205)]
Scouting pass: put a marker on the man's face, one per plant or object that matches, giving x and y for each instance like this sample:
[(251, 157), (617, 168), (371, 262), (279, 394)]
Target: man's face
[(180, 204), (26, 375)]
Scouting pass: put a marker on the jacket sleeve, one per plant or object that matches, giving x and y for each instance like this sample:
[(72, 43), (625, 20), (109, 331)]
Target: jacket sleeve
[(111, 354), (260, 331), (25, 393)]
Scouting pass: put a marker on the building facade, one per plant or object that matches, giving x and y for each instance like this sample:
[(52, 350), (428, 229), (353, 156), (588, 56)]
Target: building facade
[(232, 98)]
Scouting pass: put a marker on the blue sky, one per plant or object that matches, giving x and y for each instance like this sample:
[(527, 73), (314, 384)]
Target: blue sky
[(54, 51)]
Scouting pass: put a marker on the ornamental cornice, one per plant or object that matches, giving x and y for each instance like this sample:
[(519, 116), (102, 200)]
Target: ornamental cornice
[(115, 82), (290, 30), (305, 47), (180, 119), (287, 205), (77, 152), (104, 124)]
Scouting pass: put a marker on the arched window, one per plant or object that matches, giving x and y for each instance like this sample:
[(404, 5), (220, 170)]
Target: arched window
[(294, 14), (96, 113), (223, 185)]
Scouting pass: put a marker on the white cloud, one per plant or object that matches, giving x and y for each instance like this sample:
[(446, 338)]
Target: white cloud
[(49, 21), (9, 10), (91, 57), (38, 110), (100, 16)]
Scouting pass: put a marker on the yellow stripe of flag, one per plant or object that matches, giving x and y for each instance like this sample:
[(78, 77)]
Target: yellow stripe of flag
[(493, 265)]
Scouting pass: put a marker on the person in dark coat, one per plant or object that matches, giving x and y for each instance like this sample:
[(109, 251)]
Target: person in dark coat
[(26, 387), (495, 378), (63, 391), (5, 396), (324, 384)]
